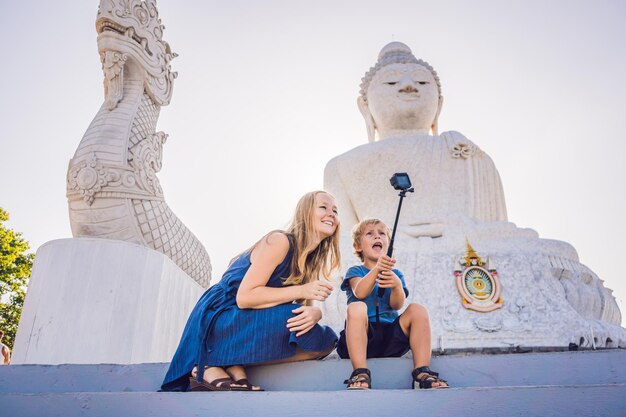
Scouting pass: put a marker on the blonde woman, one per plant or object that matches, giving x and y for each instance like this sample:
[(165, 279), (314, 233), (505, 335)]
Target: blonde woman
[(261, 312)]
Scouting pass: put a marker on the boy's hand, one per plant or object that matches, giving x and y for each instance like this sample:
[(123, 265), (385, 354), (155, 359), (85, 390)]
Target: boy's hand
[(387, 279), (306, 317), (385, 263)]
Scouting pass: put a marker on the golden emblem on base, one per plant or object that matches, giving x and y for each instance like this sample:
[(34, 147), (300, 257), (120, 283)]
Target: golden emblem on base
[(478, 282)]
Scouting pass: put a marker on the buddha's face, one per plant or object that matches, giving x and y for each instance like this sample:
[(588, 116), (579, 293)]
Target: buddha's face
[(403, 97)]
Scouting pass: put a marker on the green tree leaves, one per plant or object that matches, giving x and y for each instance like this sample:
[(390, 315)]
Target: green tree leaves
[(15, 267)]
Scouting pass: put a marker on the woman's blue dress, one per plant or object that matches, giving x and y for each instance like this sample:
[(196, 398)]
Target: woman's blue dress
[(218, 333)]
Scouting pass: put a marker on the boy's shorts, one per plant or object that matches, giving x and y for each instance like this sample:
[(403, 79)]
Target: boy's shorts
[(385, 340)]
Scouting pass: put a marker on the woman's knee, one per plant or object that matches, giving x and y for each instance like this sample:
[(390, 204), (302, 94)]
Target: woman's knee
[(316, 355)]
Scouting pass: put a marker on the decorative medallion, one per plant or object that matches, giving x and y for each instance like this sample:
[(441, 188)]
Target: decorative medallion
[(478, 282), (463, 150), (88, 178), (94, 178)]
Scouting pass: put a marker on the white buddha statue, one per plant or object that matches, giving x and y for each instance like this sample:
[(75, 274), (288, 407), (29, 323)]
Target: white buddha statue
[(454, 180), (549, 297)]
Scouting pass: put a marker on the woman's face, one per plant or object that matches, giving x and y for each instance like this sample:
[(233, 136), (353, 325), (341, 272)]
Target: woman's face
[(325, 219)]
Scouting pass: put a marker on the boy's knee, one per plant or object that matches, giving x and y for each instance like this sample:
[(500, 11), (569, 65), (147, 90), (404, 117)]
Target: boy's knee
[(357, 311), (417, 311)]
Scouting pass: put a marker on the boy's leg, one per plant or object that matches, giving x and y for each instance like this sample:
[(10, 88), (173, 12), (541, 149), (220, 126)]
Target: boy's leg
[(356, 335), (415, 323)]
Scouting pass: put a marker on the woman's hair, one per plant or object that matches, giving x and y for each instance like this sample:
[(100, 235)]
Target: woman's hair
[(310, 260), (357, 232)]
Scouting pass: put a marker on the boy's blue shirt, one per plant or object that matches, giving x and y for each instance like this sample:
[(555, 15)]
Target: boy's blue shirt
[(387, 314)]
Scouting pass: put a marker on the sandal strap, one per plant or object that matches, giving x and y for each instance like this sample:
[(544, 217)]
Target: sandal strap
[(361, 371), (423, 369), (243, 381), (226, 382), (357, 376), (427, 380)]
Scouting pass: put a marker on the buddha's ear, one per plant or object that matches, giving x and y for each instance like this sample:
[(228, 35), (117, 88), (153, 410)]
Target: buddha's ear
[(369, 120), (435, 126)]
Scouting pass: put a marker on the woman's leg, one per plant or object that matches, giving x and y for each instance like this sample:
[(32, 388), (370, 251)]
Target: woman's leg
[(301, 355)]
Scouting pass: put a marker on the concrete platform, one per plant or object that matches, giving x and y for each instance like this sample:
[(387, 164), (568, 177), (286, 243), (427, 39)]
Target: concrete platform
[(587, 383), (545, 401)]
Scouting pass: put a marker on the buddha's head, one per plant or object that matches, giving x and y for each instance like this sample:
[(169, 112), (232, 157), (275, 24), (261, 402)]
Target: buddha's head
[(400, 93)]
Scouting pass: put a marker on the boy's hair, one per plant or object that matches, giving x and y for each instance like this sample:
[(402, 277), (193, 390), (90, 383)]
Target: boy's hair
[(357, 232)]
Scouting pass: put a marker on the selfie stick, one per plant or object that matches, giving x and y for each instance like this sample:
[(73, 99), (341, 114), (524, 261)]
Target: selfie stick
[(395, 223), (399, 181)]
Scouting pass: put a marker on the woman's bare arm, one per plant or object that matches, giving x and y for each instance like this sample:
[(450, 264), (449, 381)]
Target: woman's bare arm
[(265, 257)]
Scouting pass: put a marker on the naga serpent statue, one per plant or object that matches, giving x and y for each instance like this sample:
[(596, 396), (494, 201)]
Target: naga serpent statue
[(112, 188)]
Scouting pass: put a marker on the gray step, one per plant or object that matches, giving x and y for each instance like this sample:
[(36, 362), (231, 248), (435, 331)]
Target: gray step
[(527, 369), (545, 401)]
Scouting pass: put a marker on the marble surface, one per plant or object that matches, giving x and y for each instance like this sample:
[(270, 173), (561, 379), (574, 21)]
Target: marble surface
[(550, 298), (113, 190), (103, 301)]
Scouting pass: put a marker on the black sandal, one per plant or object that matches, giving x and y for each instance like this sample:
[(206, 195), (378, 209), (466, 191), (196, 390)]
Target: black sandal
[(428, 378), (361, 375)]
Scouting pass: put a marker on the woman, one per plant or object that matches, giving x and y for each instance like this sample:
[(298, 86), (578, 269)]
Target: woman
[(250, 317)]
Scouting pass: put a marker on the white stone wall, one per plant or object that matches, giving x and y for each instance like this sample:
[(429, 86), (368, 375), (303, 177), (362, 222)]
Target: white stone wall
[(103, 301)]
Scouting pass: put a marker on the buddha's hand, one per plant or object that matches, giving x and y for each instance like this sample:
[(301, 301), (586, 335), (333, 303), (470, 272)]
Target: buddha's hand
[(439, 226), (305, 318), (434, 229), (316, 290)]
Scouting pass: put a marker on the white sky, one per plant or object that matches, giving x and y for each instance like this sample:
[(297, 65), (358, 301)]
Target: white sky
[(266, 95)]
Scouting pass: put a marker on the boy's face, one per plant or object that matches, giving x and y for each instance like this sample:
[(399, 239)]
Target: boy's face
[(373, 242)]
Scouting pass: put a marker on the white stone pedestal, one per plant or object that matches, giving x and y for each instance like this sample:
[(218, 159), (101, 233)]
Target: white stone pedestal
[(549, 298), (103, 301)]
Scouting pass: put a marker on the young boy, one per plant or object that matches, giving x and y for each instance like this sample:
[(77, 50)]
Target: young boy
[(381, 334)]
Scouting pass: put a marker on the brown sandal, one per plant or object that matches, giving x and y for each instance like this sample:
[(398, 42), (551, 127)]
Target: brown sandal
[(219, 384), (247, 386)]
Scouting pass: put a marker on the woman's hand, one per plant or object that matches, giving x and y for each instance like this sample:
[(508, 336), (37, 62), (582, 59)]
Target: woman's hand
[(306, 317), (316, 290)]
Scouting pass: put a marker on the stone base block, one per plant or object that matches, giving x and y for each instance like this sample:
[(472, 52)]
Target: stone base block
[(103, 301), (548, 298)]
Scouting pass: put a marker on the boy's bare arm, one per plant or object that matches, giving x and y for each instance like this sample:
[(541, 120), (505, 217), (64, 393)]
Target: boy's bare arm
[(363, 286), (397, 297)]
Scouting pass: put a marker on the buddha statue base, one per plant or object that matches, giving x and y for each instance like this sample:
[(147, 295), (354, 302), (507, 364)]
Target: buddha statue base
[(548, 298)]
